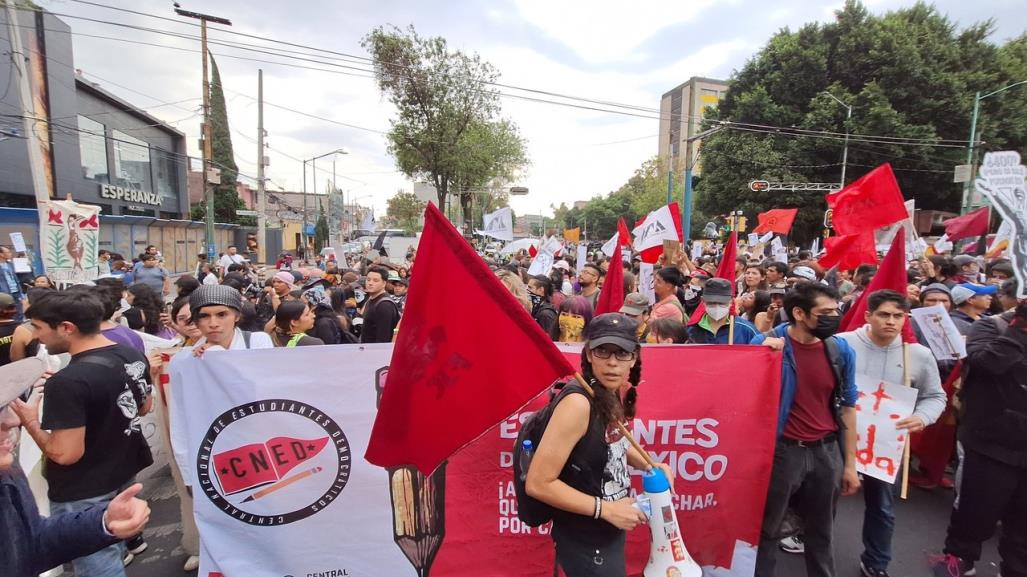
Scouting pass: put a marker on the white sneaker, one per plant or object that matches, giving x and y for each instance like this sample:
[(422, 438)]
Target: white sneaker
[(792, 544), (128, 558), (192, 563)]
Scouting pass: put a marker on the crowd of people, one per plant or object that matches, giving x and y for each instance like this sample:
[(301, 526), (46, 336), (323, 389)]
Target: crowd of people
[(93, 448)]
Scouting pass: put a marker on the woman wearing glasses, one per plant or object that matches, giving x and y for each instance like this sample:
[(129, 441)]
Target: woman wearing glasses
[(581, 465)]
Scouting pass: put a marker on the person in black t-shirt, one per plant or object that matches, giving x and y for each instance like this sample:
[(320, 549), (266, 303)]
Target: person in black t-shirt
[(8, 312), (103, 391), (381, 313)]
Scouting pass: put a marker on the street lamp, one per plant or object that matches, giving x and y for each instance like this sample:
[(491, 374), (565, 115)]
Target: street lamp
[(313, 171), (848, 116), (965, 205)]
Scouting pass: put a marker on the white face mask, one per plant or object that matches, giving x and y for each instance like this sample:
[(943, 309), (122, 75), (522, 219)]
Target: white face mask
[(718, 312)]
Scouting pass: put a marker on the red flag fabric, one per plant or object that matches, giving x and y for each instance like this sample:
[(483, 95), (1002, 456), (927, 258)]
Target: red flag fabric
[(450, 380), (970, 224), (725, 270), (611, 298), (891, 275), (868, 204), (777, 220), (849, 251), (532, 251)]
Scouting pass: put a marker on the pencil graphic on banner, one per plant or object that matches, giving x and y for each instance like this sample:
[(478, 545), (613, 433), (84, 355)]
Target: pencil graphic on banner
[(281, 484)]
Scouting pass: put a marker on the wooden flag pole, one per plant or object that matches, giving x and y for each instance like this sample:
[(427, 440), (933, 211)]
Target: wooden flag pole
[(906, 380), (731, 330), (620, 426)]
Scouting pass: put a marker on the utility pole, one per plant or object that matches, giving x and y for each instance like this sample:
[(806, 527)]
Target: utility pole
[(19, 61), (845, 151), (964, 207), (208, 191), (261, 191)]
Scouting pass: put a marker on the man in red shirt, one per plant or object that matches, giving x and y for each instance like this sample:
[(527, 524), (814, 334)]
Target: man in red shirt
[(815, 456)]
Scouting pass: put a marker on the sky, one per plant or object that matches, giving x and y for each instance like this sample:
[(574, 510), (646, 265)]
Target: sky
[(624, 52)]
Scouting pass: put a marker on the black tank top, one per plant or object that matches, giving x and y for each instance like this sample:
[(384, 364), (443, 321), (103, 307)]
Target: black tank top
[(6, 338)]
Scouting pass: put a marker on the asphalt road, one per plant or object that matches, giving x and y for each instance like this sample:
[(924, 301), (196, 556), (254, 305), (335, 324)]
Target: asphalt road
[(920, 530)]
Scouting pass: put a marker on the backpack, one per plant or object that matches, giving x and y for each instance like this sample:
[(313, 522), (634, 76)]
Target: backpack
[(531, 511)]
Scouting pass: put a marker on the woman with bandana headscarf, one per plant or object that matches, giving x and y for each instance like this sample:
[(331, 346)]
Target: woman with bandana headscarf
[(326, 324)]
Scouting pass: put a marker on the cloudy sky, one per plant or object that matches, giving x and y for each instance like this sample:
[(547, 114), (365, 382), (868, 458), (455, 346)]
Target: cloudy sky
[(624, 52)]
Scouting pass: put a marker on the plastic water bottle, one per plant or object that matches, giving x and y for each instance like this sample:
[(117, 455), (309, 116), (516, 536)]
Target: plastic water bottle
[(667, 555), (527, 452)]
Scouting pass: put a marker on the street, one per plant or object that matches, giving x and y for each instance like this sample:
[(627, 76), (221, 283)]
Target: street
[(919, 531)]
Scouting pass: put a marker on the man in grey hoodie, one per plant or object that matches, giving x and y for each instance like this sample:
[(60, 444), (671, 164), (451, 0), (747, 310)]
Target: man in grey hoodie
[(878, 347)]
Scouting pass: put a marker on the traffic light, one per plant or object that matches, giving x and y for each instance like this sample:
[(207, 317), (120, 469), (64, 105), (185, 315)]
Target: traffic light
[(741, 224)]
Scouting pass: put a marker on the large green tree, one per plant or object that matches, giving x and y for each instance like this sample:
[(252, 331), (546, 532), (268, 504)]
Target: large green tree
[(909, 74), (226, 197), (448, 130), (404, 211)]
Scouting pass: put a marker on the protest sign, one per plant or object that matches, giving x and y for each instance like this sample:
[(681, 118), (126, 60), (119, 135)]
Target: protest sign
[(646, 280), (671, 248), (941, 333), (754, 238), (582, 258), (498, 225), (879, 444), (541, 264), (1002, 183), (274, 454), (18, 242), (69, 236), (698, 247)]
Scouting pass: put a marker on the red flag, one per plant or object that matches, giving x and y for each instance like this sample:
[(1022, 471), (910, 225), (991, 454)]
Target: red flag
[(891, 275), (659, 225), (869, 203), (849, 251), (777, 220), (257, 464), (611, 298), (532, 251), (451, 380), (970, 224), (725, 270)]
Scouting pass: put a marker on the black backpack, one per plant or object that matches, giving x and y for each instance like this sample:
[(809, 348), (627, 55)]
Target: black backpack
[(531, 511)]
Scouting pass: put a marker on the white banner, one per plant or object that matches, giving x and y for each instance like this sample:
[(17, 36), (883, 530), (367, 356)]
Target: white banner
[(657, 227), (498, 225), (541, 264), (582, 258), (879, 444), (278, 461), (645, 281), (941, 333), (1002, 183), (69, 236), (610, 245)]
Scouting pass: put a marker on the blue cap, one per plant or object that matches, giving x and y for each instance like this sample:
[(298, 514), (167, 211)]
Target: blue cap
[(654, 481), (980, 289)]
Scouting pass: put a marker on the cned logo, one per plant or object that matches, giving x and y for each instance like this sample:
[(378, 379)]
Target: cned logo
[(269, 481)]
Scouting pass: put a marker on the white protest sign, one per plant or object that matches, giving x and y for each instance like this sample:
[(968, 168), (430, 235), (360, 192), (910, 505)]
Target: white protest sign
[(21, 264), (541, 264), (498, 224), (582, 258), (879, 444), (1002, 183), (754, 239), (941, 333), (697, 249), (767, 237), (645, 281), (943, 244), (18, 241)]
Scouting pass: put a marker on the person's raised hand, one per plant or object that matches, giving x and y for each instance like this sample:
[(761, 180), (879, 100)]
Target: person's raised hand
[(126, 515)]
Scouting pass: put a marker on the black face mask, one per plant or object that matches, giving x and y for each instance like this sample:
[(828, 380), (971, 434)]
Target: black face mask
[(536, 301), (826, 326)]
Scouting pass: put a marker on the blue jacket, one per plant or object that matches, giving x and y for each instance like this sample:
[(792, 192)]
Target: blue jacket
[(789, 380), (30, 544)]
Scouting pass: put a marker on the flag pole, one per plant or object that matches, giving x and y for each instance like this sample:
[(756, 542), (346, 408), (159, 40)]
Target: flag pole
[(731, 330), (905, 452), (620, 426)]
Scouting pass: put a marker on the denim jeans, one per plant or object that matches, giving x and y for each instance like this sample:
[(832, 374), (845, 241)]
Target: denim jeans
[(878, 522), (108, 562), (813, 475)]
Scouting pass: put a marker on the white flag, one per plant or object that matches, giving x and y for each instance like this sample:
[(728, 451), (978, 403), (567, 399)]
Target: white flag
[(943, 244), (582, 257), (611, 245), (657, 227), (368, 223), (645, 281), (498, 225), (541, 264)]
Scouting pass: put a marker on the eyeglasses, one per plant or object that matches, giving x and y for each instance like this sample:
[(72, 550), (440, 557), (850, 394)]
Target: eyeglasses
[(619, 354)]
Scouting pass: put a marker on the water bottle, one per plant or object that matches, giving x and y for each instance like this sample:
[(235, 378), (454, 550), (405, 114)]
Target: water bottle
[(527, 451)]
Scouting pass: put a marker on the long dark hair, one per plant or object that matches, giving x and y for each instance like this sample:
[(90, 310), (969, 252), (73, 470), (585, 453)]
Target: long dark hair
[(149, 302), (609, 405), (286, 313)]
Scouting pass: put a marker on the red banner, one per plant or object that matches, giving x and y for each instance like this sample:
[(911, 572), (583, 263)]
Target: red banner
[(721, 447)]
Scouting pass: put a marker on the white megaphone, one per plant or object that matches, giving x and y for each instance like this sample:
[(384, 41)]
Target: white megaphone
[(667, 554)]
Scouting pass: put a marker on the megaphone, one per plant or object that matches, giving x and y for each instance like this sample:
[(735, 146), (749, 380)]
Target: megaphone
[(668, 556)]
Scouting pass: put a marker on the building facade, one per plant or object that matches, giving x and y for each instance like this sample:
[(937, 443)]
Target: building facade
[(95, 146), (681, 117)]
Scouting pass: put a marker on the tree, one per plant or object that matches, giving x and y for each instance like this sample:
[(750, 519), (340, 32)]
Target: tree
[(321, 230), (447, 130), (908, 73), (405, 209), (226, 198)]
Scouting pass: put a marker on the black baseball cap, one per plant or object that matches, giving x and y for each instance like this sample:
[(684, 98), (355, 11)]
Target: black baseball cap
[(613, 329), (717, 291)]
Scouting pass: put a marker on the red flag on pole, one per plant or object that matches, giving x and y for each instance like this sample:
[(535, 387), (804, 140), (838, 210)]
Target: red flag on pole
[(777, 220), (891, 275), (725, 270), (970, 224), (611, 298), (451, 380), (849, 251), (869, 203)]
